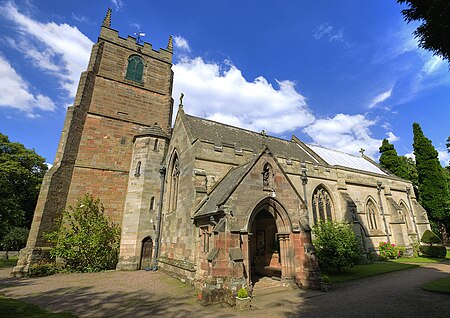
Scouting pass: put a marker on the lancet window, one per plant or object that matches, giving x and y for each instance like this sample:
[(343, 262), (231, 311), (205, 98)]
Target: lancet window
[(371, 211)]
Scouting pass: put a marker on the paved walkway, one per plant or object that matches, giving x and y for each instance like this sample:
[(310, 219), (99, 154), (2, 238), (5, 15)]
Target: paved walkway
[(146, 294)]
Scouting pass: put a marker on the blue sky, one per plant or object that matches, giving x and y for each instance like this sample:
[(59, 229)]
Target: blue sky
[(341, 74)]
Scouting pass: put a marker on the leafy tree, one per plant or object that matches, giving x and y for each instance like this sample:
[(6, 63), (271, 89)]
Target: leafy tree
[(337, 246), (448, 144), (86, 239), (391, 161), (21, 174), (411, 170), (15, 239), (433, 188), (434, 32)]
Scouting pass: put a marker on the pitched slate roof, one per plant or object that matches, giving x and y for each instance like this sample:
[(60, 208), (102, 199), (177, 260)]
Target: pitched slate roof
[(222, 134), (338, 158), (224, 189), (153, 130)]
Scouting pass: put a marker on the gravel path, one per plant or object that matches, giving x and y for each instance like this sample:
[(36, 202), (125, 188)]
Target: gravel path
[(145, 294)]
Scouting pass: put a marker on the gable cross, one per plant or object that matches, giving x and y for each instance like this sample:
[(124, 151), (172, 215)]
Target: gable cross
[(362, 151)]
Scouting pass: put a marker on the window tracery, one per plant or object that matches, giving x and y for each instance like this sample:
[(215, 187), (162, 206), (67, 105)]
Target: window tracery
[(323, 208), (135, 68)]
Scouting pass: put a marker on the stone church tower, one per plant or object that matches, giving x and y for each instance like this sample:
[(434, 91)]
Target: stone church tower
[(125, 93)]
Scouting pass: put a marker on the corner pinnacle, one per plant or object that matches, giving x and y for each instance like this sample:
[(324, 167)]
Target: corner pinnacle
[(170, 45), (107, 19)]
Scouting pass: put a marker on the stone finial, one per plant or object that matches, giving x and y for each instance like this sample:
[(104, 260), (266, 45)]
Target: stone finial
[(170, 44), (107, 19), (181, 101)]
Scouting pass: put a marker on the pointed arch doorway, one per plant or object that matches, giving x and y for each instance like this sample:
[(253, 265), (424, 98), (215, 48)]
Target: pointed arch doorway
[(269, 230), (146, 253)]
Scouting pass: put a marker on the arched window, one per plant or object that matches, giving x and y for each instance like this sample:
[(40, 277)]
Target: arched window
[(135, 68), (137, 172), (371, 211), (322, 205), (155, 146), (173, 186), (267, 175), (406, 215)]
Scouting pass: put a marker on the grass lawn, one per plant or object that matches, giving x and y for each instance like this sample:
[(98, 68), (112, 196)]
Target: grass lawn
[(419, 259), (441, 285), (16, 308), (360, 271), (422, 259), (12, 261)]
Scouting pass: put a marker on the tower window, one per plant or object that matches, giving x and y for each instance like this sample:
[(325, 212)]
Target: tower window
[(135, 68), (137, 171), (152, 203), (155, 147)]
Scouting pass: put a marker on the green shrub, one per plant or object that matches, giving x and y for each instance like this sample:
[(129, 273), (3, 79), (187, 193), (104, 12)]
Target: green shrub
[(86, 239), (336, 245), (433, 251), (326, 279), (242, 293), (43, 268), (429, 237), (390, 251)]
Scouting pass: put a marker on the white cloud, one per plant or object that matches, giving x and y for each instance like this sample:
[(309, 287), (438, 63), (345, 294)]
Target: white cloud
[(410, 155), (181, 43), (391, 137), (380, 98), (58, 48), (433, 64), (444, 157), (325, 30), (226, 96), (348, 133), (15, 92), (117, 4)]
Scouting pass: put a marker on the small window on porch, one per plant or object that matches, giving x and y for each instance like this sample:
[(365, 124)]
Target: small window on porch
[(205, 235), (267, 175)]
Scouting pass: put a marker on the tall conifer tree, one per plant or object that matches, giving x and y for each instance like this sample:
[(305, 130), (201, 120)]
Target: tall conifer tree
[(433, 189), (392, 162)]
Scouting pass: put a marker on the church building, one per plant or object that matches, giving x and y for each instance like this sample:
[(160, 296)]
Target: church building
[(215, 205)]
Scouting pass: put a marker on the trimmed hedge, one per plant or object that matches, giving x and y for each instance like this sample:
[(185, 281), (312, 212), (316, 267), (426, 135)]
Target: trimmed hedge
[(430, 237), (433, 251)]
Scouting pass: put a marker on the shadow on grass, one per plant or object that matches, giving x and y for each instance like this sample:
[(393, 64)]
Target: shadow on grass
[(441, 285), (16, 308)]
